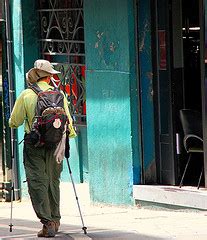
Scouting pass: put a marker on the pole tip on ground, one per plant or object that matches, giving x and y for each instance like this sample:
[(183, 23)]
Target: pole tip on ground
[(84, 230)]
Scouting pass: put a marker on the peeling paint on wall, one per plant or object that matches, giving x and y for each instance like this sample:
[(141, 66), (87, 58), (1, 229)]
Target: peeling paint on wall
[(99, 36), (112, 47), (143, 35), (106, 48), (146, 83), (150, 87)]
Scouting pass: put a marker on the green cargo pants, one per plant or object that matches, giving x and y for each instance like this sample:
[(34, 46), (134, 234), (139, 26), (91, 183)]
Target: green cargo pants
[(43, 174)]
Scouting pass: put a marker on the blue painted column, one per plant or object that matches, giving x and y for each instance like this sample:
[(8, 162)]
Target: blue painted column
[(18, 70), (110, 77), (30, 28), (146, 91)]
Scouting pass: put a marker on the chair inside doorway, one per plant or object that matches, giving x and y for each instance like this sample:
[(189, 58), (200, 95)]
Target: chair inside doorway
[(191, 121)]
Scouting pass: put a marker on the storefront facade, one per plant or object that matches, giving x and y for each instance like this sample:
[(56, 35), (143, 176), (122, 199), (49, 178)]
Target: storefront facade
[(125, 67)]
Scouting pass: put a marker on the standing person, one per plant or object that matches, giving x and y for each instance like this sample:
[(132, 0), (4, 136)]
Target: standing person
[(42, 166)]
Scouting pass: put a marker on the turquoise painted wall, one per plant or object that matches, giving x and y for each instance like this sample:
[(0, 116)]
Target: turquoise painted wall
[(134, 93), (110, 73), (30, 27), (146, 86), (78, 158), (18, 68)]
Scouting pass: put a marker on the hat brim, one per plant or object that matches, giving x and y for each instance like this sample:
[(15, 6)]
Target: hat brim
[(34, 74), (53, 71)]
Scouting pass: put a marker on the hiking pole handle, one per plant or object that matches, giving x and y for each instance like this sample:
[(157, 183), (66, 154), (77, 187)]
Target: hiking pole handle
[(67, 145)]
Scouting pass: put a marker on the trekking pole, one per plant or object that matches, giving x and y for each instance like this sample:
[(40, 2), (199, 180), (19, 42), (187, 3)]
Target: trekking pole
[(12, 181), (67, 155), (11, 97)]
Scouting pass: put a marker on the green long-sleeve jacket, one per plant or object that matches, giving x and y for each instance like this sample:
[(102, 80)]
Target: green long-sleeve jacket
[(24, 109)]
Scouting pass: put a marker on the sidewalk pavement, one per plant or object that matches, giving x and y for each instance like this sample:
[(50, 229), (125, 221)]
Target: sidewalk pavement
[(106, 222)]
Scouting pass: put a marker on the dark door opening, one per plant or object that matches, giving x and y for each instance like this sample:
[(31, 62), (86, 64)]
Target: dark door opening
[(177, 78), (191, 51), (192, 94)]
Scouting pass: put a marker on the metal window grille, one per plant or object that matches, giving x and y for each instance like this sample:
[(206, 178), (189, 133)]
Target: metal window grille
[(62, 43)]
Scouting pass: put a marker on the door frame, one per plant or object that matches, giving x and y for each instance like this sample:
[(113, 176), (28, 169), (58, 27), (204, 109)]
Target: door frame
[(166, 138)]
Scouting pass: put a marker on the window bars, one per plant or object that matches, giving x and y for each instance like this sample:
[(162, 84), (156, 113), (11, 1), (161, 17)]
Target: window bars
[(62, 43)]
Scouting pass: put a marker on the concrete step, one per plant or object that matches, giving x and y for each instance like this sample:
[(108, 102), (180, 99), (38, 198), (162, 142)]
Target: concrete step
[(187, 196)]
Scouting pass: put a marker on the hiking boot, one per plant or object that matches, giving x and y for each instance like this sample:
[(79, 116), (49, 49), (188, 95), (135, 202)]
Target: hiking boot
[(57, 225), (48, 230)]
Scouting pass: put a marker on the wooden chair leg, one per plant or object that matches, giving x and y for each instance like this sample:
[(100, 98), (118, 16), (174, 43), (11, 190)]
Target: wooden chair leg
[(186, 166)]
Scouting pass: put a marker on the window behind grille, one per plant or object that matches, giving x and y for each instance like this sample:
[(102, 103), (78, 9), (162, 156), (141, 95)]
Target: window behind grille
[(62, 43)]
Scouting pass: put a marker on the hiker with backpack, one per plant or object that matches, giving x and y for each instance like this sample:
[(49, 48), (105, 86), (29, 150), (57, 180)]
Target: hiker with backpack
[(44, 111)]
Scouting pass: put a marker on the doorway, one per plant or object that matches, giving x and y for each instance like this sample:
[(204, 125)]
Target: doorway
[(192, 78), (177, 85)]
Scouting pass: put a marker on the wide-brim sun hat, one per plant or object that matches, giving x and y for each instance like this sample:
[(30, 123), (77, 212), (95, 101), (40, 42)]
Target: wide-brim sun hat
[(42, 68)]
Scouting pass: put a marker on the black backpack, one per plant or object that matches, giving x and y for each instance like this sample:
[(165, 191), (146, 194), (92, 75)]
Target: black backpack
[(50, 118)]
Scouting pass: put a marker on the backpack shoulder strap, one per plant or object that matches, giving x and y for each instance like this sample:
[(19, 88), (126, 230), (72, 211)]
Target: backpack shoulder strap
[(35, 88)]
